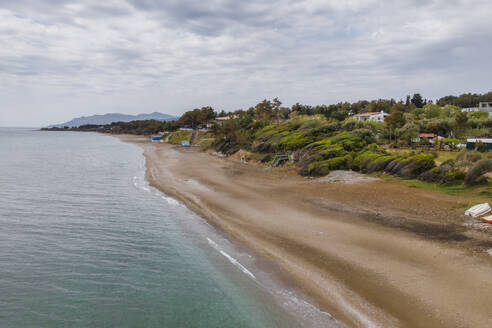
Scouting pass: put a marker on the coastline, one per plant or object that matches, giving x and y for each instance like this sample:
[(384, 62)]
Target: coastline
[(367, 255)]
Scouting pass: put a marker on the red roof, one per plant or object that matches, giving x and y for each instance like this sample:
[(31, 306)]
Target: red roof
[(427, 135)]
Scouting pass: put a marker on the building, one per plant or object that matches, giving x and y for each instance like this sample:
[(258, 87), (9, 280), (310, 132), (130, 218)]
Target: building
[(472, 143), (427, 138), (482, 107), (373, 116), (225, 118)]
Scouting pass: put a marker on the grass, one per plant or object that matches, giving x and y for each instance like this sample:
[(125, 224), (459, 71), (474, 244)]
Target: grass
[(178, 136), (468, 195), (442, 155), (445, 155), (204, 140)]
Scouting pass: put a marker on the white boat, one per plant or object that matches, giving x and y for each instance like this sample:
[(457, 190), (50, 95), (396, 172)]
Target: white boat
[(478, 210), (487, 219)]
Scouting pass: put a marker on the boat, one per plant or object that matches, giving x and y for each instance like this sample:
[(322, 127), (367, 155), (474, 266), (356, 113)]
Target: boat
[(478, 210), (487, 219)]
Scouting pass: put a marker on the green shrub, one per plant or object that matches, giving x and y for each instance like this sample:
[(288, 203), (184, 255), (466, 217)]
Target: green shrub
[(380, 163), (292, 141), (411, 166), (327, 129), (348, 141), (332, 151), (365, 134), (324, 167), (455, 175), (432, 175), (470, 156), (363, 159), (475, 174), (442, 175)]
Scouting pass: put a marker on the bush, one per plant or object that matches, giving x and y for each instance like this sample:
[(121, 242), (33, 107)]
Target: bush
[(365, 134), (351, 124), (442, 175), (380, 163), (432, 175), (411, 166), (324, 167), (455, 176), (475, 174), (469, 156), (348, 141), (267, 158), (292, 141)]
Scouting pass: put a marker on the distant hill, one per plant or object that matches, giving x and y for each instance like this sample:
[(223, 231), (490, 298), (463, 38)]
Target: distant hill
[(114, 117)]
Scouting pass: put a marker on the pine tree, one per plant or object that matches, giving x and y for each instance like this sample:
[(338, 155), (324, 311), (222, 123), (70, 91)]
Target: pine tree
[(417, 100)]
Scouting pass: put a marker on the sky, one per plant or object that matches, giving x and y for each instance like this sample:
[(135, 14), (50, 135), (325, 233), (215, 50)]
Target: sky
[(61, 59)]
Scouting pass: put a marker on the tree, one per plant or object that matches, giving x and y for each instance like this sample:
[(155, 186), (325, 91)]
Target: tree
[(197, 116), (417, 100), (460, 121), (409, 131), (264, 111), (381, 105), (407, 102), (432, 111), (395, 119), (276, 109)]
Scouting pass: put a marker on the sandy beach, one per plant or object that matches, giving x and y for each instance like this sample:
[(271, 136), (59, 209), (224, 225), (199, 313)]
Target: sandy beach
[(371, 253)]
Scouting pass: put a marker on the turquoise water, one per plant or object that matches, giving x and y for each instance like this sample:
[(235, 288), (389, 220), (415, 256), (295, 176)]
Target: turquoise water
[(85, 242)]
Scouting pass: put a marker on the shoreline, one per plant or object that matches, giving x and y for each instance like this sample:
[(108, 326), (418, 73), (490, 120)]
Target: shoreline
[(400, 265)]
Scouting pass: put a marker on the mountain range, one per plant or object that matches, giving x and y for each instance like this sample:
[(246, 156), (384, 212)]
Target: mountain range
[(113, 117)]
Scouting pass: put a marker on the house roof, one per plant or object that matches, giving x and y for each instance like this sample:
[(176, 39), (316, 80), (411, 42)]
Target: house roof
[(225, 118), (427, 135), (484, 140), (369, 114)]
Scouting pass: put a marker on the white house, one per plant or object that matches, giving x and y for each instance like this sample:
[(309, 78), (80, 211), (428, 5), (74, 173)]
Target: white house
[(482, 107), (373, 116), (225, 118)]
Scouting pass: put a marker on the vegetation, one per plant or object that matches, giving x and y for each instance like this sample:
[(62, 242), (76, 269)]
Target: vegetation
[(145, 127), (181, 135), (323, 138), (475, 174)]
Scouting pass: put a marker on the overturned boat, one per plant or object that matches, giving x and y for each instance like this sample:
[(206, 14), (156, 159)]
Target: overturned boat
[(487, 219), (478, 210)]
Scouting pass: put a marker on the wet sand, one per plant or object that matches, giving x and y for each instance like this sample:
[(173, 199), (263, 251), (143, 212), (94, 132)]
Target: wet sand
[(371, 253)]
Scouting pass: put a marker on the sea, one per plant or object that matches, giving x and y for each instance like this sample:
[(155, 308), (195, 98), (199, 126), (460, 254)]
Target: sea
[(86, 242)]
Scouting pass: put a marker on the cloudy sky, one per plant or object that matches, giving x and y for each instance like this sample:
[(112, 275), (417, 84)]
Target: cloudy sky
[(60, 59)]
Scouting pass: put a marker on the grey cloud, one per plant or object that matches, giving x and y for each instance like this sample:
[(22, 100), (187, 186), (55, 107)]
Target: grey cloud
[(38, 66), (182, 54), (124, 54), (213, 17)]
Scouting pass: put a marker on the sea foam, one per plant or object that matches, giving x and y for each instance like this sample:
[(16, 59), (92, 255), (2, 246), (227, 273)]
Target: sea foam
[(231, 259)]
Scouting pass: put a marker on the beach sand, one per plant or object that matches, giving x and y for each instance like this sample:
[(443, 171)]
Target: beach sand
[(371, 253)]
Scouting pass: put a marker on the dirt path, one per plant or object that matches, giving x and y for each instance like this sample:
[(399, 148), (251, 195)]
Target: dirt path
[(373, 254)]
